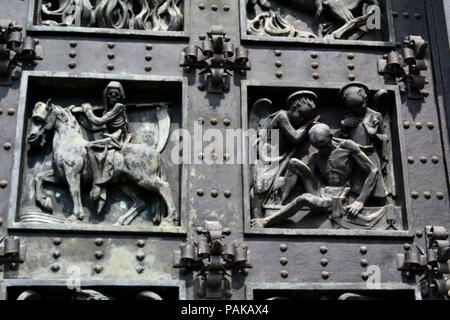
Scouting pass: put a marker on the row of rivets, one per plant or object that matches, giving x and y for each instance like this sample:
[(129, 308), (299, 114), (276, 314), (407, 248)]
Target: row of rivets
[(406, 15), (72, 54), (430, 125), (434, 159), (427, 195), (284, 261), (214, 193), (214, 7), (55, 267), (214, 121)]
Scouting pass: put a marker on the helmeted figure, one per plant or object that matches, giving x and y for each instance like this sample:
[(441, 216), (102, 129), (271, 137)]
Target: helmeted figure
[(117, 134)]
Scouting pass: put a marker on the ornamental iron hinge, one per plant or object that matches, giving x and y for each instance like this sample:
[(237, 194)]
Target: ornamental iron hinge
[(430, 263), (12, 249), (406, 67), (217, 57), (212, 257), (15, 49)]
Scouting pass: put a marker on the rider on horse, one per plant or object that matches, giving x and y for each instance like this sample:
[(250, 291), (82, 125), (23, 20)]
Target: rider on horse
[(117, 135)]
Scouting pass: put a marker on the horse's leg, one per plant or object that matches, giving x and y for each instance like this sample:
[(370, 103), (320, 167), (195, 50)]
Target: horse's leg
[(42, 197), (349, 25), (155, 183), (138, 204), (73, 177)]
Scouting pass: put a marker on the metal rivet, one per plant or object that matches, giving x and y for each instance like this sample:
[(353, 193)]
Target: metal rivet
[(226, 156), (73, 44), (202, 37), (110, 66), (314, 55), (140, 243), (418, 125), (72, 54), (140, 256), (350, 66), (427, 195), (419, 234), (279, 74), (148, 46), (214, 193), (1, 221), (55, 267), (214, 7), (363, 249), (283, 247), (315, 65), (227, 193), (425, 93), (316, 75), (364, 263), (201, 6), (406, 246), (148, 57), (440, 195), (3, 184), (72, 64), (411, 160), (406, 15), (200, 192), (98, 268), (98, 254), (111, 45), (226, 8), (284, 273), (1, 110), (226, 122), (435, 159), (148, 68), (99, 241), (417, 15), (325, 275), (350, 56), (406, 124), (323, 250), (57, 241), (351, 77), (283, 261), (414, 194), (323, 262), (213, 121), (228, 294), (111, 55), (56, 254), (430, 125), (278, 64), (201, 87), (423, 159), (139, 269), (277, 52), (7, 146), (364, 276), (395, 14), (11, 111)]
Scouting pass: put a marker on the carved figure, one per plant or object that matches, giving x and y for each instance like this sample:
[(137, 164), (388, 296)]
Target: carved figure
[(131, 166), (293, 125), (272, 23), (334, 163), (365, 127)]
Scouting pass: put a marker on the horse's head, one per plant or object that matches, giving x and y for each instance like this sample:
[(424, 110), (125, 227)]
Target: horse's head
[(42, 120)]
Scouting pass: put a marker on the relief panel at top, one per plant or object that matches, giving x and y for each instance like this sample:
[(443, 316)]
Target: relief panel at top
[(350, 22), (127, 17)]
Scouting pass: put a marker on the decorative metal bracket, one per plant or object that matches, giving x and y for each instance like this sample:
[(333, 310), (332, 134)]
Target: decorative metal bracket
[(407, 67), (431, 263), (12, 249), (15, 49), (212, 258), (215, 58)]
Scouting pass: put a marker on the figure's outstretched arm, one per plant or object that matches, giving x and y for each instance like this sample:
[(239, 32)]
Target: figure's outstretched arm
[(106, 118)]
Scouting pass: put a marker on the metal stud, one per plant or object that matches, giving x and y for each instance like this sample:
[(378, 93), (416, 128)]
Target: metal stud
[(316, 75), (98, 254), (73, 44), (323, 262), (148, 57), (140, 243), (323, 250), (226, 122), (283, 247), (110, 66), (72, 54), (3, 184), (111, 55), (284, 274), (364, 263), (55, 267), (418, 125), (148, 46), (201, 6), (363, 249), (148, 68), (278, 64), (111, 45), (277, 52), (315, 65), (11, 111), (350, 56), (325, 275), (283, 261), (406, 124), (435, 159), (56, 254), (213, 121), (227, 193), (98, 269), (200, 192), (414, 194), (214, 7), (214, 193), (140, 256), (427, 195), (351, 77), (364, 276), (72, 64), (279, 74), (226, 8), (57, 241), (98, 242), (440, 195)]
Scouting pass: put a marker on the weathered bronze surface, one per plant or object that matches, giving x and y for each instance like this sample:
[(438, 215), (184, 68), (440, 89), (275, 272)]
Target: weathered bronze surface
[(97, 109)]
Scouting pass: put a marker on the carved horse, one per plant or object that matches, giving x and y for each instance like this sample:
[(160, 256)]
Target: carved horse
[(341, 9), (135, 165)]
